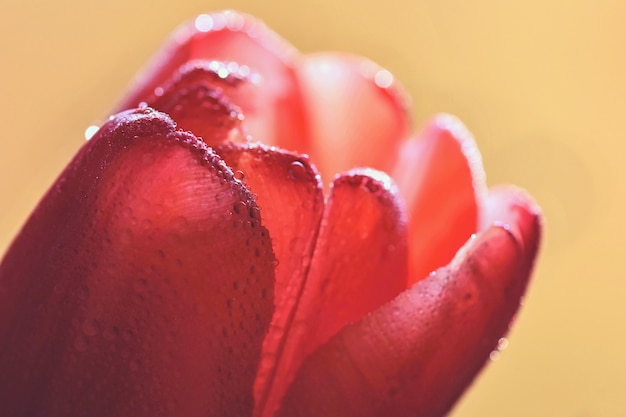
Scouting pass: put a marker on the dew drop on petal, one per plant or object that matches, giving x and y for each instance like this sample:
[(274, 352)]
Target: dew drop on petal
[(204, 23), (223, 72), (90, 131), (239, 207), (90, 328), (140, 285), (83, 293), (297, 170), (370, 186), (111, 333), (383, 78), (503, 343), (80, 343), (255, 213)]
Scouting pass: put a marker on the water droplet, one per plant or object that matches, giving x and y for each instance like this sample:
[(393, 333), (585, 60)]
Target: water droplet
[(326, 287), (239, 175), (80, 343), (370, 186), (255, 213), (383, 78), (83, 293), (204, 23), (90, 131), (140, 285), (239, 207), (91, 328), (503, 343), (297, 170), (111, 333), (223, 72), (41, 308), (128, 335), (244, 70)]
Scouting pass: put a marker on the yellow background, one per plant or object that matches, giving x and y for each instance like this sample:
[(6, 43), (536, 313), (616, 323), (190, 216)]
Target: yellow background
[(541, 83)]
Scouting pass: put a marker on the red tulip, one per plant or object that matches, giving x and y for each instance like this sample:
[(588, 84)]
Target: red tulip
[(179, 268)]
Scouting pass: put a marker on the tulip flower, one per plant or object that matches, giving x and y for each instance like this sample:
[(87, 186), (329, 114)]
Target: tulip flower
[(257, 233)]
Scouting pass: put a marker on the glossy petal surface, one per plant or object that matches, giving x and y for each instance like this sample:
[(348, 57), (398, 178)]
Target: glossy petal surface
[(195, 272), (415, 355), (140, 286), (440, 175), (357, 114), (359, 264), (272, 104), (198, 100), (291, 204)]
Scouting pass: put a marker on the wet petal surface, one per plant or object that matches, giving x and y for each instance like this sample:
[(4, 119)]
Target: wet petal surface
[(272, 104), (415, 355), (140, 286), (198, 100), (359, 264), (291, 204)]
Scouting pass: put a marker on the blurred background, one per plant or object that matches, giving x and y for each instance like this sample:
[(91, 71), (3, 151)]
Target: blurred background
[(541, 83)]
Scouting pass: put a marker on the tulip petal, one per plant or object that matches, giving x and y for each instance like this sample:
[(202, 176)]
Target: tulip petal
[(415, 355), (291, 200), (357, 114), (142, 284), (272, 106), (359, 264), (197, 99), (441, 177)]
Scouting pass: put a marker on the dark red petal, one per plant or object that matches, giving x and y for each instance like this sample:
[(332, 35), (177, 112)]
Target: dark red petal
[(415, 355), (142, 285), (359, 264), (357, 114), (291, 200), (273, 108), (441, 177), (196, 99)]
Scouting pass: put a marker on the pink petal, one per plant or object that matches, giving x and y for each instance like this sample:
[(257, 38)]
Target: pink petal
[(359, 264), (441, 177), (273, 108), (142, 285), (415, 355), (357, 114)]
